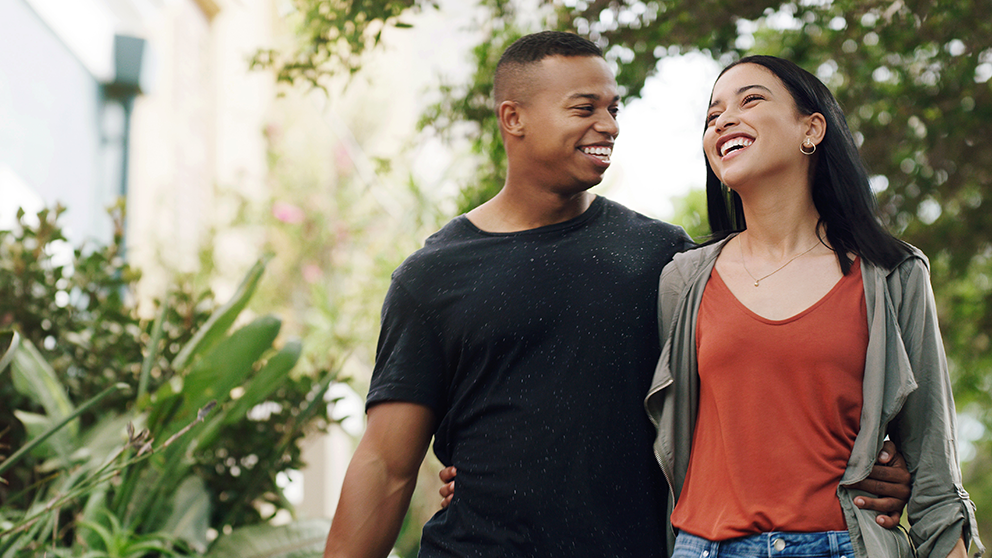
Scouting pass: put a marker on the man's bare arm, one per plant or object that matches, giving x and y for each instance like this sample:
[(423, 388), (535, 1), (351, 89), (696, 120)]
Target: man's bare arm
[(380, 481)]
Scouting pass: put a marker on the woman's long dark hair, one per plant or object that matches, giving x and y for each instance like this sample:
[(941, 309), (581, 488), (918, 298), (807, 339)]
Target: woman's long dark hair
[(841, 193)]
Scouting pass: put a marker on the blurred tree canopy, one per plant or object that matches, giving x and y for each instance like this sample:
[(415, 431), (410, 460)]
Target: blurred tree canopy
[(912, 75)]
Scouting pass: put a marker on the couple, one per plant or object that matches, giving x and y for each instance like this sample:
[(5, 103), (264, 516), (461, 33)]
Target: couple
[(523, 338)]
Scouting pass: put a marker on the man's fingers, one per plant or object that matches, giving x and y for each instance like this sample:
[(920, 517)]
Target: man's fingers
[(447, 474), (898, 463), (885, 490), (888, 450), (889, 521), (889, 474), (884, 505), (447, 492), (888, 518)]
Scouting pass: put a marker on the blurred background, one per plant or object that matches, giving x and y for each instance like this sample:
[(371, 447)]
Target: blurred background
[(203, 200)]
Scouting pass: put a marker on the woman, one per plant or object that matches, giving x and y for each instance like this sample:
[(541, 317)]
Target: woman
[(797, 342)]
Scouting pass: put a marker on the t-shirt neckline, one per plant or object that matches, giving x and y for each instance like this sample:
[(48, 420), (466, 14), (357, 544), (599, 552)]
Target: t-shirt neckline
[(594, 209)]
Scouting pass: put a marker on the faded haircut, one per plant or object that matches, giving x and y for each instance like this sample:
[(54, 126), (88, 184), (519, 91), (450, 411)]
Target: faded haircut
[(511, 80)]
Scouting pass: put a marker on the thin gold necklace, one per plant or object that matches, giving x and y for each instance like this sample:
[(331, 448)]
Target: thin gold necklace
[(759, 280)]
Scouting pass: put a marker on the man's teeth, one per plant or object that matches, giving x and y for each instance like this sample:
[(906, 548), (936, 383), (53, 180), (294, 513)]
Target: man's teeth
[(740, 142), (598, 151)]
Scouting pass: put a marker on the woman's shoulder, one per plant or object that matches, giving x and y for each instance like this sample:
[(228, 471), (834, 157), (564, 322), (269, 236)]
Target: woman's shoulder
[(698, 256), (912, 263)]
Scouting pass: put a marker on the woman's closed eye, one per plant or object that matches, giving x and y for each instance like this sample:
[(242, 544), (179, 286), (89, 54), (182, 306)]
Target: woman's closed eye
[(751, 98)]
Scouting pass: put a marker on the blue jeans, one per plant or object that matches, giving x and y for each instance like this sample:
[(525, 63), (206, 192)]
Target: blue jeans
[(828, 544)]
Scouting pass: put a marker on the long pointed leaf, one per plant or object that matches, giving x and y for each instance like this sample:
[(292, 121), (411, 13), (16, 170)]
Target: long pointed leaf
[(10, 461), (149, 360), (268, 379), (8, 344), (35, 378), (220, 370), (221, 320), (58, 445)]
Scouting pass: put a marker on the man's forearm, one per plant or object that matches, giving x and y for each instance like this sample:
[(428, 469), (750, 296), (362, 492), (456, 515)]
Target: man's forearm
[(380, 481), (369, 513)]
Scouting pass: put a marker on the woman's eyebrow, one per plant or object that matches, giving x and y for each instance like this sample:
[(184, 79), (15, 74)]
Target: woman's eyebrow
[(741, 91)]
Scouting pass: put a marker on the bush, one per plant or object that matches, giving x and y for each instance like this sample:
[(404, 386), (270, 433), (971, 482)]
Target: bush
[(88, 359)]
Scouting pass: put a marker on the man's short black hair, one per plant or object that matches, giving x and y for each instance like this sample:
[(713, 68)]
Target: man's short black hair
[(531, 49)]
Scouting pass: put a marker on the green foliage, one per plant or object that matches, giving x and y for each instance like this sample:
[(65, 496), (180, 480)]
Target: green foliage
[(301, 539), (690, 214), (334, 36), (472, 104), (912, 75), (219, 413), (112, 540)]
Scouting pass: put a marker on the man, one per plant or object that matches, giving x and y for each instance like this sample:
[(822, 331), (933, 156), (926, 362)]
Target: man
[(522, 337)]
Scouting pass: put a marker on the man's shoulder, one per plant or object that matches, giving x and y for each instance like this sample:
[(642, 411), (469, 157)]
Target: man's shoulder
[(441, 249), (620, 213)]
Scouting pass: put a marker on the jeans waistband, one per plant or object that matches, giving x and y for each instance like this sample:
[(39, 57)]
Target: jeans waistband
[(833, 544)]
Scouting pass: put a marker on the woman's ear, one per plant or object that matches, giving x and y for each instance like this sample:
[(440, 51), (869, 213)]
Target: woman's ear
[(510, 118), (816, 127)]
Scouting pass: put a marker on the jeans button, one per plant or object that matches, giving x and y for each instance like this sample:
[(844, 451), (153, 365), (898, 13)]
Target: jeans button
[(779, 544)]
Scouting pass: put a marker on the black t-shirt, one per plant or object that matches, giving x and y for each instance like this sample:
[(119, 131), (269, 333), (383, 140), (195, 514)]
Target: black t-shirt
[(535, 350)]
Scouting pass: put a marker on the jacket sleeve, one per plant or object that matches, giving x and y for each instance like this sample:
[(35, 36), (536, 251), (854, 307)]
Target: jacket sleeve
[(670, 288), (939, 509)]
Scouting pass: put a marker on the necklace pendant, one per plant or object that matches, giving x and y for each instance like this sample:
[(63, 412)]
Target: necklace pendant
[(755, 283)]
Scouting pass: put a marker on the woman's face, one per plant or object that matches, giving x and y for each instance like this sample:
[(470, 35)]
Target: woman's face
[(753, 128)]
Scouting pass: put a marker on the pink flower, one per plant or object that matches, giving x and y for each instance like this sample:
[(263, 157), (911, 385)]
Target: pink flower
[(342, 159), (288, 213), (312, 273)]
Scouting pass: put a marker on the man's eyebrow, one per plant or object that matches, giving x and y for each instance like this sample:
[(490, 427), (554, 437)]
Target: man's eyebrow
[(590, 96), (740, 91)]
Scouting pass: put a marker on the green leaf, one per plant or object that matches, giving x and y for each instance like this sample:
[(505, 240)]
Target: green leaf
[(219, 371), (264, 383), (34, 378), (8, 344), (190, 516), (35, 425), (300, 539), (152, 354), (222, 319), (268, 379), (10, 461)]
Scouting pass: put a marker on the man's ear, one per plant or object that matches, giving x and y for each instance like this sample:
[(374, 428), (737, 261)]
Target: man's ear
[(510, 118)]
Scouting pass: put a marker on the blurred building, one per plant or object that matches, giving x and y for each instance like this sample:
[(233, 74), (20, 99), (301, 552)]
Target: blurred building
[(145, 98), (153, 99)]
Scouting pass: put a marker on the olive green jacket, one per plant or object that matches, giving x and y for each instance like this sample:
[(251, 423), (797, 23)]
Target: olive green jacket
[(907, 396)]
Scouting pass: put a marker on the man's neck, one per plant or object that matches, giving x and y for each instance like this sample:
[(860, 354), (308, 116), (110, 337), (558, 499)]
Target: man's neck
[(508, 211)]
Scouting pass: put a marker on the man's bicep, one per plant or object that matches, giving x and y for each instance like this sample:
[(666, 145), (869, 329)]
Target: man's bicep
[(399, 433)]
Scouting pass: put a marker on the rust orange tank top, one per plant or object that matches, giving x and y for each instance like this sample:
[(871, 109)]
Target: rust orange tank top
[(779, 409)]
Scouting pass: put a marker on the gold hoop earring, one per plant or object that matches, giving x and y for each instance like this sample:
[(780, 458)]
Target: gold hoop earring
[(807, 147)]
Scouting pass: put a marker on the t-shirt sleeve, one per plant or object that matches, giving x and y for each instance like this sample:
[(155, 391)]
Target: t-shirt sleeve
[(409, 363), (686, 242)]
